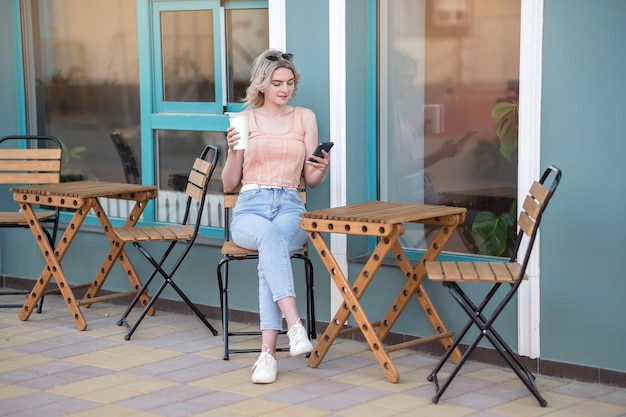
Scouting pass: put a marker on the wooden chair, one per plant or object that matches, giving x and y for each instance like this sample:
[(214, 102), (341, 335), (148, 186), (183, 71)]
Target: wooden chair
[(513, 272), (232, 252), (21, 164), (185, 233)]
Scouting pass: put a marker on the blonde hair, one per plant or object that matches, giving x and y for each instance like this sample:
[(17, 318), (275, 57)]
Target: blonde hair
[(261, 76)]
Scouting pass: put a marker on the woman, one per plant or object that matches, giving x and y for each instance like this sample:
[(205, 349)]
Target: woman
[(267, 214)]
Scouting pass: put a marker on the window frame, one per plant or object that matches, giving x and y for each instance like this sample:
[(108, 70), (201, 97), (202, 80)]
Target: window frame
[(156, 114)]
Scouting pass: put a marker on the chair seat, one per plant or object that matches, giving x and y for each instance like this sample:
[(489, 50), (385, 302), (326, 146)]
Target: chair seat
[(231, 249), (154, 233), (495, 272), (17, 217)]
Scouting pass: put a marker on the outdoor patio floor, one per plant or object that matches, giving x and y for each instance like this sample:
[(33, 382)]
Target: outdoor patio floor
[(173, 366)]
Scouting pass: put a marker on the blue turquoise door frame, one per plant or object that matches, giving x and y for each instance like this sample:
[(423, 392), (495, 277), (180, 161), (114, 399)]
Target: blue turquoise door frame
[(157, 114)]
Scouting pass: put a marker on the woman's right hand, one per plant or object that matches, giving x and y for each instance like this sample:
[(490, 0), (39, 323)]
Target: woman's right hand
[(232, 138)]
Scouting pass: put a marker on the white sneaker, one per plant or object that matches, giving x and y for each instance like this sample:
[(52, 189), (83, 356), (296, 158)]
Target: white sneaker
[(299, 343), (265, 368)]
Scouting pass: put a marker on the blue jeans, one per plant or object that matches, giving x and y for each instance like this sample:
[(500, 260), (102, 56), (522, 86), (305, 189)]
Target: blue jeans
[(268, 220)]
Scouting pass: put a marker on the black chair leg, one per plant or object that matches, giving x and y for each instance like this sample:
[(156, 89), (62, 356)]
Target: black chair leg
[(222, 280), (486, 329), (123, 320), (191, 305)]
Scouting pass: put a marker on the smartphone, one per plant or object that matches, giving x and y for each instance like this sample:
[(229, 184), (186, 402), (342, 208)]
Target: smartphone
[(318, 151)]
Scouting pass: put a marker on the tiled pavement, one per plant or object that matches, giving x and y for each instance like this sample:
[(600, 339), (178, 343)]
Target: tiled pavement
[(173, 366)]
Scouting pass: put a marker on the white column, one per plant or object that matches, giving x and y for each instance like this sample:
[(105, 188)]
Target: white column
[(529, 147), (277, 16), (337, 109)]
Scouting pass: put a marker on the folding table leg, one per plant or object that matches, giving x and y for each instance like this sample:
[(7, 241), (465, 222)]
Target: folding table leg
[(53, 265), (116, 253), (413, 286), (351, 295)]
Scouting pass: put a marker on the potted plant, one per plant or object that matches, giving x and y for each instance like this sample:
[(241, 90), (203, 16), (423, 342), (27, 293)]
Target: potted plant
[(495, 233)]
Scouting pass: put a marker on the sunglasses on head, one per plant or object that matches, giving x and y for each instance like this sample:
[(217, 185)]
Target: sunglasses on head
[(275, 58)]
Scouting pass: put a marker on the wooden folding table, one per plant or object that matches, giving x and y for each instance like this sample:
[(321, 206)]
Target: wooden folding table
[(81, 197), (383, 220)]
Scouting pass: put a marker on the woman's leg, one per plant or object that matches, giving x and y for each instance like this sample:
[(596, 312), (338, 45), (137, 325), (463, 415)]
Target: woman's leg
[(269, 223)]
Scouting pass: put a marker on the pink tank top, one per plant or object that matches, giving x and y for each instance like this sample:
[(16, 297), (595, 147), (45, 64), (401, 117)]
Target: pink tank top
[(274, 159)]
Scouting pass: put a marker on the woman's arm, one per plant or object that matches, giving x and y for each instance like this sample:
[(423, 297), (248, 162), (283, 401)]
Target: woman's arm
[(314, 172)]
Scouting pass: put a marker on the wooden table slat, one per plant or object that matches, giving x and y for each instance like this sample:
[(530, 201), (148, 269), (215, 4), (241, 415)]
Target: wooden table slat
[(84, 189), (383, 212)]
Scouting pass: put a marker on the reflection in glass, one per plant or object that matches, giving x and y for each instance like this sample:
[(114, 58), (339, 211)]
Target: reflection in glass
[(176, 152), (247, 35), (188, 56), (82, 81), (444, 66)]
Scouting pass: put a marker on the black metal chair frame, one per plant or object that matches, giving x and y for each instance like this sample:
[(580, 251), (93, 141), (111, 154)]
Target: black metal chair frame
[(477, 314), (52, 222), (193, 188), (127, 155), (223, 282)]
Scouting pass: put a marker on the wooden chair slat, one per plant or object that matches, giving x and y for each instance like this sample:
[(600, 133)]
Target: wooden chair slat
[(451, 271), (30, 165), (501, 272), (514, 269), (539, 192), (526, 223), (29, 178), (230, 248), (197, 178), (182, 232), (18, 218), (202, 166), (124, 234), (434, 270), (30, 153), (531, 206), (468, 271), (484, 271), (230, 200), (193, 191), (151, 233)]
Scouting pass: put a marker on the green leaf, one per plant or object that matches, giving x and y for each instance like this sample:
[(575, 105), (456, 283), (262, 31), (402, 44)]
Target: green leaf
[(76, 151), (491, 232), (506, 123)]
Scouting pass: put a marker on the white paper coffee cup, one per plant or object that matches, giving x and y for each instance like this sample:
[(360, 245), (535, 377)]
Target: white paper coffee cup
[(240, 122)]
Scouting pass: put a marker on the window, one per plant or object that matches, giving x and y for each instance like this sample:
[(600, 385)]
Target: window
[(158, 75), (202, 60), (444, 66), (82, 81)]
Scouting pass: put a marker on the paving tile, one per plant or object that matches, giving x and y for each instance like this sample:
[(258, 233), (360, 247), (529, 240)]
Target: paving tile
[(173, 366)]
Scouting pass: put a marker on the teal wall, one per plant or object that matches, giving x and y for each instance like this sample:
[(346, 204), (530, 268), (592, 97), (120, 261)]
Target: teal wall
[(307, 38), (583, 286), (8, 89)]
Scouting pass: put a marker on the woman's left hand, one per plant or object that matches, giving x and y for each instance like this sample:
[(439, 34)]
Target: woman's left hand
[(321, 164)]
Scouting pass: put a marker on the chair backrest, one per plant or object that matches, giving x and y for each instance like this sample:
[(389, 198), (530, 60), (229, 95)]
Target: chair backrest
[(125, 151), (532, 211), (23, 165), (198, 181), (230, 199)]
